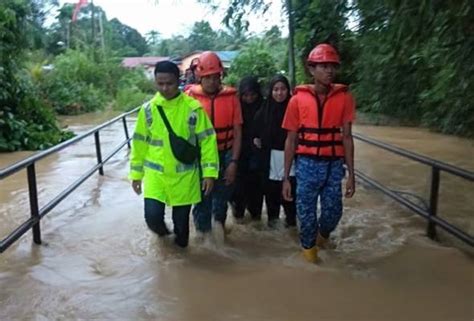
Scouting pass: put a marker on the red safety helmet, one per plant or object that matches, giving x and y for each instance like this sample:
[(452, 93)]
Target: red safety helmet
[(323, 53), (209, 64)]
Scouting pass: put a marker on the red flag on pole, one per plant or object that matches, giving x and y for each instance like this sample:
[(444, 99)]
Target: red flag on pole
[(77, 8)]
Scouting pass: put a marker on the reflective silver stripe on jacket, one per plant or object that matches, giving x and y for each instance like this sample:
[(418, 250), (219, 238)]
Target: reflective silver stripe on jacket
[(154, 166), (185, 167), (192, 121), (209, 165), (137, 136), (180, 168), (156, 142), (149, 118), (205, 133), (136, 168), (152, 142)]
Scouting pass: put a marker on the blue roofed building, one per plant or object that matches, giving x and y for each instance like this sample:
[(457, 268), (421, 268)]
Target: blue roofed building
[(185, 61)]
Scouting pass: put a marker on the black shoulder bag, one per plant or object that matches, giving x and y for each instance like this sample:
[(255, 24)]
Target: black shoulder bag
[(182, 150)]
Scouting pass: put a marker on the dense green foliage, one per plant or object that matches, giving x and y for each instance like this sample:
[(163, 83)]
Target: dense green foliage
[(255, 59), (202, 37), (25, 121), (77, 84), (411, 60), (416, 62), (62, 70), (133, 89), (119, 39)]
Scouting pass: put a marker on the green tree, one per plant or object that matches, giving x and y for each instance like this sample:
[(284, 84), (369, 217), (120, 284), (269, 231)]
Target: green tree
[(202, 37), (273, 36), (25, 122), (237, 30), (277, 46), (416, 62), (175, 46), (317, 22), (119, 39), (39, 11), (153, 40), (253, 60), (59, 34), (125, 40)]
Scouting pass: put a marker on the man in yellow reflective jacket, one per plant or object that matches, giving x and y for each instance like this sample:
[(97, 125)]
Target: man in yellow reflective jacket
[(168, 181)]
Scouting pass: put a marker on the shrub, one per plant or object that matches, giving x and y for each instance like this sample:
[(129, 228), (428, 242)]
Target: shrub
[(129, 98), (255, 60)]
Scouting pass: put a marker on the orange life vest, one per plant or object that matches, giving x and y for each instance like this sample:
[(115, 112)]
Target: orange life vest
[(221, 109), (321, 121)]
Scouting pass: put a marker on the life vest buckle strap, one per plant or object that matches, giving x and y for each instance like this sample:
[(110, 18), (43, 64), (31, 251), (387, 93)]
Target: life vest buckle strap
[(312, 143), (316, 157), (320, 131), (223, 129), (224, 140)]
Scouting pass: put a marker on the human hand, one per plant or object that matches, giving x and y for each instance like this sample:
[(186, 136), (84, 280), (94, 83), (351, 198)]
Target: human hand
[(137, 186), (230, 173), (257, 142), (350, 187), (286, 190), (207, 185)]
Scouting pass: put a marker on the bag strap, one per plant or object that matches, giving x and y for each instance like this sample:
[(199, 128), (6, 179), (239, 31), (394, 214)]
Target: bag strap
[(165, 120), (192, 127)]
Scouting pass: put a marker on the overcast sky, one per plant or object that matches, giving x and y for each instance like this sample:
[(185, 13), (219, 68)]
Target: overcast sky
[(172, 17)]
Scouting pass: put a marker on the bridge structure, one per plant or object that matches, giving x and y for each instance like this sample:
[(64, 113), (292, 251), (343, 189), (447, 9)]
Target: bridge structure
[(426, 209)]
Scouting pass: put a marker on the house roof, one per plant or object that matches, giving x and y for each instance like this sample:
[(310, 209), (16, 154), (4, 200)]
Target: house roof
[(223, 55), (227, 55), (132, 62)]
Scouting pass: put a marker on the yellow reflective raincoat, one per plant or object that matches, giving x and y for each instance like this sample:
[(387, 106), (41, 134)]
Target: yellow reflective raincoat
[(165, 178)]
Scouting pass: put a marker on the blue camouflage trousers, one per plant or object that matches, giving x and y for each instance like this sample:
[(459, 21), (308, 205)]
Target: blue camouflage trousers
[(318, 180), (214, 204)]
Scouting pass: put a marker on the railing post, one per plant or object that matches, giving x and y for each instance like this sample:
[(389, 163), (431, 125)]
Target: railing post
[(98, 152), (126, 131), (34, 209), (434, 192)]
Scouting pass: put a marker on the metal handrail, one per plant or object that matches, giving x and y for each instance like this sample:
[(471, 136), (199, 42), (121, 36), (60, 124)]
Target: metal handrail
[(417, 157), (37, 214), (4, 172), (436, 168), (29, 164)]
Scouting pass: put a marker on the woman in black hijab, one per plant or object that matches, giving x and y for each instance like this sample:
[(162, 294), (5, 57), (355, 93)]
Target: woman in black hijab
[(248, 193), (270, 138)]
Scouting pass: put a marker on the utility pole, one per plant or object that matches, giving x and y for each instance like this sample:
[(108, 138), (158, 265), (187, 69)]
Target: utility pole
[(291, 45), (93, 24), (94, 42), (101, 30), (68, 35)]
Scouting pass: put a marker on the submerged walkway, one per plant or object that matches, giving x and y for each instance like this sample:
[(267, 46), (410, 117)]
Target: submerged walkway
[(100, 262)]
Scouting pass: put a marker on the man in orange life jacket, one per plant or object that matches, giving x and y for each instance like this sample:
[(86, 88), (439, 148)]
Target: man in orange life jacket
[(223, 108), (319, 124)]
